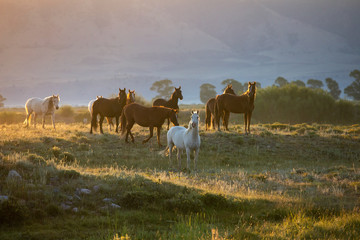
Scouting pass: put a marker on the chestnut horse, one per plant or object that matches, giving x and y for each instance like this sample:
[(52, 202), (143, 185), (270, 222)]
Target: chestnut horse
[(108, 108), (209, 110), (172, 102), (146, 117), (130, 97), (236, 104)]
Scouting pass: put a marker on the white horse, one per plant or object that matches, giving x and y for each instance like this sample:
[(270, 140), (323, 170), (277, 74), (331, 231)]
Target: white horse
[(91, 103), (187, 139), (42, 107)]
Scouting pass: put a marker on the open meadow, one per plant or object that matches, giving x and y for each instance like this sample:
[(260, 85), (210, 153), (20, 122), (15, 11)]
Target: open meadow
[(282, 181)]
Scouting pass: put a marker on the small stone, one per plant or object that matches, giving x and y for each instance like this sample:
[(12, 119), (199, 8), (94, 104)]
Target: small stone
[(65, 206), (3, 198), (14, 175), (113, 205), (85, 191), (107, 200), (96, 188), (75, 209)]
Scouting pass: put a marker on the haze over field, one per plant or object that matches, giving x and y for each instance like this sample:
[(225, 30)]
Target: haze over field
[(80, 49)]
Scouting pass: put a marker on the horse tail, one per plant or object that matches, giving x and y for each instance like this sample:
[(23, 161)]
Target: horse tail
[(93, 114), (164, 152), (217, 111), (123, 122)]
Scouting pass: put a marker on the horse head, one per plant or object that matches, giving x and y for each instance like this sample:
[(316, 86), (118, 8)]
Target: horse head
[(229, 89), (173, 117), (55, 101), (122, 95), (130, 96), (252, 89), (177, 93), (194, 119)]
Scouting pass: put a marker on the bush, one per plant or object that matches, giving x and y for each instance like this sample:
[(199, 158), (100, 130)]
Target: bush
[(12, 213), (56, 151), (293, 104), (66, 111), (36, 159)]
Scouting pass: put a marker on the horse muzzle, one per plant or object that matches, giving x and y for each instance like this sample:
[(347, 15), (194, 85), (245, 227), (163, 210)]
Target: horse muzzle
[(193, 125), (57, 107)]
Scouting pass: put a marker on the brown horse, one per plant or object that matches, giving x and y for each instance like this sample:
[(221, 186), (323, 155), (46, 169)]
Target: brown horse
[(146, 117), (130, 98), (236, 104), (209, 110), (171, 103), (108, 108)]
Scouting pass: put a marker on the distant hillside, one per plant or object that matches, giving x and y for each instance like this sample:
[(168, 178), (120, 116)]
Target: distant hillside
[(72, 46)]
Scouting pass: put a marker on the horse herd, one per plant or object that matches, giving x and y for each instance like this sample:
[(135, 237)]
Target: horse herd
[(127, 112)]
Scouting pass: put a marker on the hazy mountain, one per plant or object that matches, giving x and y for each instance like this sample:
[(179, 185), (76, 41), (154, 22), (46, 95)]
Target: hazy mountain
[(85, 48)]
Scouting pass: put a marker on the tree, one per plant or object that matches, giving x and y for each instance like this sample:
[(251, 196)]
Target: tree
[(2, 99), (333, 86), (207, 91), (313, 83), (238, 87), (353, 90), (298, 83), (163, 87), (280, 81)]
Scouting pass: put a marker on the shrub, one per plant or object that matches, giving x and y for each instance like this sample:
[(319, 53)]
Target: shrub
[(12, 213), (66, 111), (69, 174), (67, 157), (56, 151), (36, 159)]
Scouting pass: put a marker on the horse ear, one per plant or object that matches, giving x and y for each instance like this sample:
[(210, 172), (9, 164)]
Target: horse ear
[(179, 87), (249, 83), (254, 83)]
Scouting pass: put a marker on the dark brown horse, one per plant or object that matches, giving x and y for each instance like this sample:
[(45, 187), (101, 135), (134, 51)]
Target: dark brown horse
[(172, 102), (236, 104), (209, 110), (146, 117), (108, 108)]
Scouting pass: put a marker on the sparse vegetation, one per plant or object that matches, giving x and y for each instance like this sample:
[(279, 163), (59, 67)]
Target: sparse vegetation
[(284, 181)]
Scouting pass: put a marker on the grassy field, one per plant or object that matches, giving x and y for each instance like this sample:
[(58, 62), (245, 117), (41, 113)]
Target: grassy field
[(281, 182)]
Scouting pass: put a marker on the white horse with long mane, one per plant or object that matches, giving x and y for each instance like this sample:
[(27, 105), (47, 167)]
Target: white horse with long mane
[(43, 107), (188, 139)]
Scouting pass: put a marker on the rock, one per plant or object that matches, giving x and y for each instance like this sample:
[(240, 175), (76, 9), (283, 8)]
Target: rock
[(107, 200), (65, 206), (13, 175), (75, 209), (3, 198), (113, 205), (85, 191), (96, 188)]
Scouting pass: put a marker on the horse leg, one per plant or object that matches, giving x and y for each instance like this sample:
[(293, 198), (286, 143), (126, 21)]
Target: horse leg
[(100, 123), (213, 121), (53, 120), (151, 134), (43, 120), (179, 157), (188, 158), (195, 158), (27, 120), (117, 123), (108, 121), (35, 115), (158, 135), (245, 122), (226, 120), (168, 124), (248, 122), (170, 145)]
